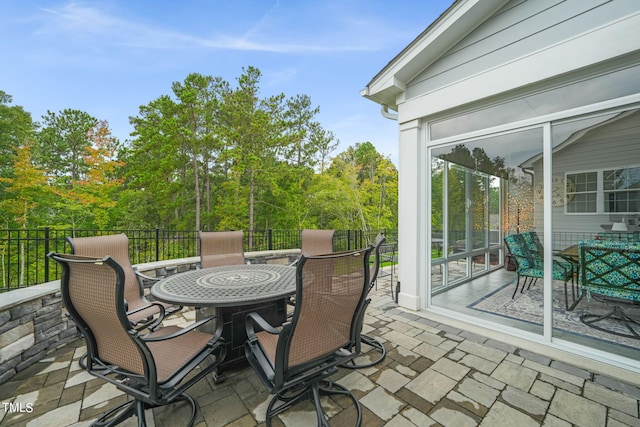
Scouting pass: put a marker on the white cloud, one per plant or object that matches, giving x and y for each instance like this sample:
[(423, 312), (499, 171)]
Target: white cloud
[(273, 32)]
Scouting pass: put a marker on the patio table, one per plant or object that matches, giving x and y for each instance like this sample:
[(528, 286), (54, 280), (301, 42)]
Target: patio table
[(232, 292), (570, 254)]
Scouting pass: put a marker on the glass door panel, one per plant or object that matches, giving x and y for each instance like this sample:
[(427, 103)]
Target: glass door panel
[(482, 190), (459, 220), (596, 180)]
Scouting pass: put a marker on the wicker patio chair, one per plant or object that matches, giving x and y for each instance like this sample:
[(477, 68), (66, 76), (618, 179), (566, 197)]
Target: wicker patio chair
[(295, 359), (142, 311), (218, 248), (154, 368), (367, 339)]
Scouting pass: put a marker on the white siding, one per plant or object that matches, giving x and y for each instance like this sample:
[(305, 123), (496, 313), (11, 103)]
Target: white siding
[(520, 27), (609, 146)]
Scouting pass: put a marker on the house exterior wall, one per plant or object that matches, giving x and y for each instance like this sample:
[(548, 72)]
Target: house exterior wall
[(523, 44), (592, 152), (519, 27), (513, 50), (409, 223), (511, 68)]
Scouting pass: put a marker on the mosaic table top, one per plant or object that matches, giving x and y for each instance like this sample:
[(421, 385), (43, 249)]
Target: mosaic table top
[(227, 286)]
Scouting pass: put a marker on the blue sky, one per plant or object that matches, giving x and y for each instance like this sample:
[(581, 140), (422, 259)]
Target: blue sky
[(109, 57)]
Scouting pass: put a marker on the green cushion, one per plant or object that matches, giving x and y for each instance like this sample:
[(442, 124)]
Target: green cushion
[(610, 268), (527, 250)]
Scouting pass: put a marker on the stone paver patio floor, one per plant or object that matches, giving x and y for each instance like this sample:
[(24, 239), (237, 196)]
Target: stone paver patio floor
[(433, 375)]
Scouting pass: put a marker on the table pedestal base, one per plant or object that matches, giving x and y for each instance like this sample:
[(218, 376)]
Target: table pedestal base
[(234, 332)]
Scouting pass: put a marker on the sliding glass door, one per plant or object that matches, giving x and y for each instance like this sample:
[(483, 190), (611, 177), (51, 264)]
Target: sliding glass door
[(480, 192)]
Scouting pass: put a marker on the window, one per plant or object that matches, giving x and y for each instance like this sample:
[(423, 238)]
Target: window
[(584, 198), (619, 190), (622, 190)]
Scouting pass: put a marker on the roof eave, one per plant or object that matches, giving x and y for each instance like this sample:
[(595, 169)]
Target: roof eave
[(462, 17)]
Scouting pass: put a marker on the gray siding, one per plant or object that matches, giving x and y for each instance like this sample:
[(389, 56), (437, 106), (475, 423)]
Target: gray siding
[(609, 146)]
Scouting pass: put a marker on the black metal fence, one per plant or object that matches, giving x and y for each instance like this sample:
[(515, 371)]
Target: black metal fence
[(24, 263)]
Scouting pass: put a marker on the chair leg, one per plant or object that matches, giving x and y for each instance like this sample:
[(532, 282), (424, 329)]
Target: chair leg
[(532, 280), (137, 407), (617, 314), (331, 388), (313, 392), (517, 284), (377, 346), (286, 401), (575, 300), (118, 414), (320, 415)]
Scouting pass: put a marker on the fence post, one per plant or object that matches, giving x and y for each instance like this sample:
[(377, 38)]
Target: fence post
[(348, 240), (157, 244), (46, 251), (270, 239)]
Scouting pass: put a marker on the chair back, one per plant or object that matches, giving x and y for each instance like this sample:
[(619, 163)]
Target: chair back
[(375, 267), (610, 268), (317, 242), (117, 247), (330, 295), (93, 292), (533, 244), (218, 248), (520, 250)]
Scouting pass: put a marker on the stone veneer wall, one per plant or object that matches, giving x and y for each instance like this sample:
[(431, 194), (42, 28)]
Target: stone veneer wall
[(33, 320), (31, 325)]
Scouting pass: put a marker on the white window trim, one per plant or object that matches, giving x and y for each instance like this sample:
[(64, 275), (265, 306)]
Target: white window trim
[(600, 192)]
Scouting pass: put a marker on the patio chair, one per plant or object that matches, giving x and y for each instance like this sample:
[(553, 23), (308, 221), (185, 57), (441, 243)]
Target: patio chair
[(528, 254), (294, 360), (142, 311), (610, 273), (218, 248), (367, 339), (155, 368), (314, 242), (388, 253)]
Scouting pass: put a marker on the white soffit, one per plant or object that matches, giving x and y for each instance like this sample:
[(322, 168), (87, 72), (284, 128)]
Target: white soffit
[(462, 17)]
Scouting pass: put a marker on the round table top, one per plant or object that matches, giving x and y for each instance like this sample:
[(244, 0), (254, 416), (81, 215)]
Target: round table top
[(229, 285)]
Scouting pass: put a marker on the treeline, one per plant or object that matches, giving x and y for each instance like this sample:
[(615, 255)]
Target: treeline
[(208, 156)]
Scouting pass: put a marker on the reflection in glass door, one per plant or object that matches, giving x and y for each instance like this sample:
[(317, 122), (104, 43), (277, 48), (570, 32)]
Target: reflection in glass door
[(466, 215), (596, 175), (481, 192)]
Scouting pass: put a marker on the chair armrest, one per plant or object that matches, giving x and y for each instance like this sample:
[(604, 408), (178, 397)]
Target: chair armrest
[(146, 307), (161, 315), (145, 277), (563, 265), (255, 318), (216, 335)]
